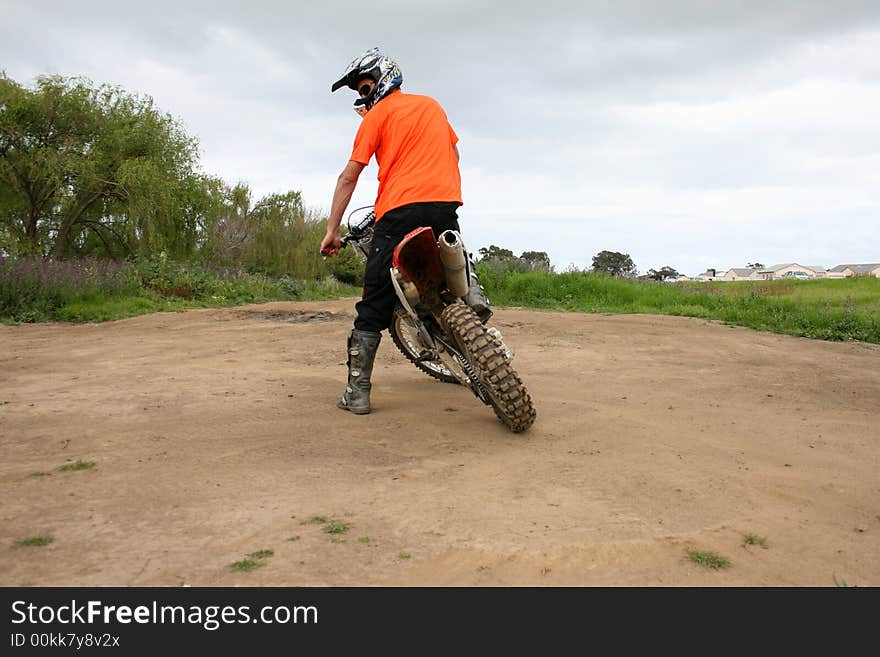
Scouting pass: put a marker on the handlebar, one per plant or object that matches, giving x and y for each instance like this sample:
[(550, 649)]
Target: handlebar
[(348, 237), (356, 232)]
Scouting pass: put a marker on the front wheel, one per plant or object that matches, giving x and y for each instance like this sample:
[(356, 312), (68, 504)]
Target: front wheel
[(502, 385)]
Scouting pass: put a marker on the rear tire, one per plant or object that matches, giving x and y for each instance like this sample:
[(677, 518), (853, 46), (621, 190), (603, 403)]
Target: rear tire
[(405, 337), (508, 395)]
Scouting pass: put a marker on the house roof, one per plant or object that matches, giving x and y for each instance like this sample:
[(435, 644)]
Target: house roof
[(859, 269), (775, 268), (742, 271)]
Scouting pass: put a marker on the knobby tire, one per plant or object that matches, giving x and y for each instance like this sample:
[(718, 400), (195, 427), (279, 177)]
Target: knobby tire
[(509, 398)]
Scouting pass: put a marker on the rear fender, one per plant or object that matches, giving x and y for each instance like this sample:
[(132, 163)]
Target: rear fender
[(417, 258)]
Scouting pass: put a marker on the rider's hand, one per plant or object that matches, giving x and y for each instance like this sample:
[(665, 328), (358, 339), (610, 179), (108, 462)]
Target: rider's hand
[(330, 244)]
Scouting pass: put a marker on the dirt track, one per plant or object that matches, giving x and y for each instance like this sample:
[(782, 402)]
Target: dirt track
[(215, 434)]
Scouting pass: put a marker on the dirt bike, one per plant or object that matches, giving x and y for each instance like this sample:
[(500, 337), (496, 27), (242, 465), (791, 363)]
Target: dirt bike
[(436, 330)]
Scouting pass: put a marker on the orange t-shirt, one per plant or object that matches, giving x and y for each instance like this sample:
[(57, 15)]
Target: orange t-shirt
[(414, 147)]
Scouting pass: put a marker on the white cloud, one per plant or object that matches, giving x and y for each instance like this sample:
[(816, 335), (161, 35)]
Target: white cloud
[(688, 134)]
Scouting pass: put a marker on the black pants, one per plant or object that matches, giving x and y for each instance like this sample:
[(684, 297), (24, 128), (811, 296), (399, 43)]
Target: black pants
[(375, 308)]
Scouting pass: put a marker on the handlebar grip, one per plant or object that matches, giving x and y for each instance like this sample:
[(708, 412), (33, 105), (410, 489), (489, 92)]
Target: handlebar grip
[(348, 237)]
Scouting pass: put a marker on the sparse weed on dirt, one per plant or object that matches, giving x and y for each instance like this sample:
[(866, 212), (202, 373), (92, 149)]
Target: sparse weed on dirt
[(364, 539), (335, 527), (711, 560), (330, 526), (253, 560), (261, 554), (293, 538), (404, 555), (754, 539), (35, 541), (245, 565), (78, 465)]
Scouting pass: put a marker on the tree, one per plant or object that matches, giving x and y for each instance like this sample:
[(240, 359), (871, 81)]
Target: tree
[(94, 170), (663, 273), (499, 258), (230, 226), (755, 265), (496, 254), (614, 264), (536, 260)]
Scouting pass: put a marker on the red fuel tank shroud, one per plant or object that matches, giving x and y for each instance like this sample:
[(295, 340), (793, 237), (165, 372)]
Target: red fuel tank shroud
[(417, 258)]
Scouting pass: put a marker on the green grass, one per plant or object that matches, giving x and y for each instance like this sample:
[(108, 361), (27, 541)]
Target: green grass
[(404, 555), (253, 560), (245, 565), (78, 465), (261, 554), (754, 539), (335, 528), (62, 292), (35, 541), (841, 309), (97, 308), (364, 539), (711, 560)]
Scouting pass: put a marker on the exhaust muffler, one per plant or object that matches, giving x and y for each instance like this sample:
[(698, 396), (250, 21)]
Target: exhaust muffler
[(454, 263)]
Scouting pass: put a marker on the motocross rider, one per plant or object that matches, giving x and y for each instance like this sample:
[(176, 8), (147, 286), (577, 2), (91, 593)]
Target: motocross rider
[(419, 185)]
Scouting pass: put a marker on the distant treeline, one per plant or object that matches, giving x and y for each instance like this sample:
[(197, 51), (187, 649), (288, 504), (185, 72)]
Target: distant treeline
[(94, 171)]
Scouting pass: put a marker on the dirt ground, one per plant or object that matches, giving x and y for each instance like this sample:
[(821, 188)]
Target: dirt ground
[(215, 435)]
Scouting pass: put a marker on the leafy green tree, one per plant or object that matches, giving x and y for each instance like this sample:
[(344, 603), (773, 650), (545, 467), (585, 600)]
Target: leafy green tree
[(496, 254), (663, 273), (614, 263), (497, 257), (274, 236), (755, 265), (88, 169), (536, 260)]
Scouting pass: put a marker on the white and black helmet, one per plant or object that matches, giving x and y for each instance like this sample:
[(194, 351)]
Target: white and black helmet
[(372, 64)]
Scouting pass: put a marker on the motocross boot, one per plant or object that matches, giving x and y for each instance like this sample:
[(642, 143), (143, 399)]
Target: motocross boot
[(362, 347), (476, 295)]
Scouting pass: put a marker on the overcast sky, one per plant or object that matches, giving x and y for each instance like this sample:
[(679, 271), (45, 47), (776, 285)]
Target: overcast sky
[(692, 134)]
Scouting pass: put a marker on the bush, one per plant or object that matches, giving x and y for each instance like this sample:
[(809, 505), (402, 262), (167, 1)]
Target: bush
[(347, 267), (34, 289)]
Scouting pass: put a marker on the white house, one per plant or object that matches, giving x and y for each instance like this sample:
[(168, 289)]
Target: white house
[(790, 270), (708, 275), (736, 274), (844, 271)]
